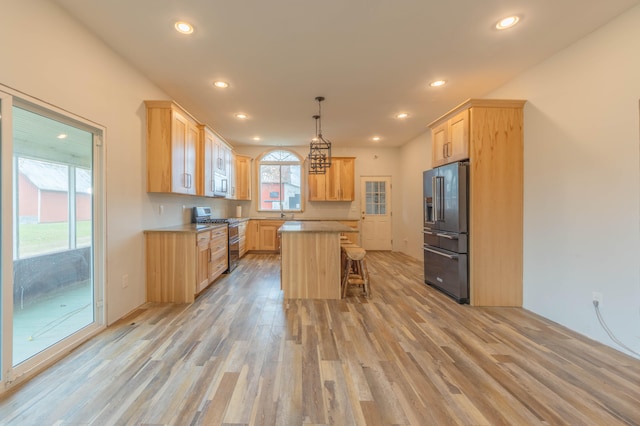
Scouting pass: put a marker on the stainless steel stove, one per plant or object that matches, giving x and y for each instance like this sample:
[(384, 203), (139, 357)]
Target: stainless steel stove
[(202, 215)]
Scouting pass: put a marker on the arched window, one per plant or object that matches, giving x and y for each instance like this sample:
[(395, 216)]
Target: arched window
[(280, 184)]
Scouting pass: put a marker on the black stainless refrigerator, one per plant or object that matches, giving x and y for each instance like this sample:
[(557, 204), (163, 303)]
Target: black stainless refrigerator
[(446, 265)]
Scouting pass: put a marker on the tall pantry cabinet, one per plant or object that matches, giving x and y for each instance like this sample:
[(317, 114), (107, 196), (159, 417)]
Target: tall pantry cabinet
[(491, 131)]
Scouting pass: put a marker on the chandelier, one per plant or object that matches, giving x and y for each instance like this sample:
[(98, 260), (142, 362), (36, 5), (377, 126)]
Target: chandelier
[(319, 148)]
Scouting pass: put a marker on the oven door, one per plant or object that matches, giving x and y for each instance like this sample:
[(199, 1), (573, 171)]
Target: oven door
[(234, 253)]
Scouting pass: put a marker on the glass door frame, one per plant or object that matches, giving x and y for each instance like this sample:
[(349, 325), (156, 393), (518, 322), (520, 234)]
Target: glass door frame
[(12, 375)]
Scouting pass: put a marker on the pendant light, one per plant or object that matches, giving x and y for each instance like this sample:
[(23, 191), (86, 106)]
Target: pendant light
[(319, 148)]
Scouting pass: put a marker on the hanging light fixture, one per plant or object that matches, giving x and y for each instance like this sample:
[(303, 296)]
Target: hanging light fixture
[(319, 148)]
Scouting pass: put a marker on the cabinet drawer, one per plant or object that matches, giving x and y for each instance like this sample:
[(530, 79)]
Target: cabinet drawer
[(219, 232), (203, 237)]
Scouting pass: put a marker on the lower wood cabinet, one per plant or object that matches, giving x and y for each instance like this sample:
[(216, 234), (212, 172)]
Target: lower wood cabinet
[(262, 235), (180, 264), (242, 237)]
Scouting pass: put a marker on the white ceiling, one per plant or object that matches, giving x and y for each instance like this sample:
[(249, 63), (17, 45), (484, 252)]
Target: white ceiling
[(370, 59)]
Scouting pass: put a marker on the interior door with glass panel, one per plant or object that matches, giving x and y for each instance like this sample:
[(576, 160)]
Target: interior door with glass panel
[(375, 198)]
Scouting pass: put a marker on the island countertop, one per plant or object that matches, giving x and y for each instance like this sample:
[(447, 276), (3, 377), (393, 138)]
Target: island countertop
[(315, 226)]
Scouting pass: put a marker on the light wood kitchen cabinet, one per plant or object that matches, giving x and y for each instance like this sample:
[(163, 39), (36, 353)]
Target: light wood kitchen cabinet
[(222, 153), (203, 239), (242, 237), (268, 235), (180, 264), (218, 253), (337, 184), (206, 162), (172, 139), (252, 235), (243, 177), (262, 235), (450, 139), (496, 146), (231, 172)]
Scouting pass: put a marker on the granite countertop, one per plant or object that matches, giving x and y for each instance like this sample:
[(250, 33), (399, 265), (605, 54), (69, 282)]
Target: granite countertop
[(188, 228), (315, 226)]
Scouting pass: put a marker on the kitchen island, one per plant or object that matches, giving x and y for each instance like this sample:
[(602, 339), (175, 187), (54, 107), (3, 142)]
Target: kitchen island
[(310, 259)]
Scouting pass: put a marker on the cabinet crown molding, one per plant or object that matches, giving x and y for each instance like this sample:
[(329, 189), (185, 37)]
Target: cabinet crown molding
[(482, 103)]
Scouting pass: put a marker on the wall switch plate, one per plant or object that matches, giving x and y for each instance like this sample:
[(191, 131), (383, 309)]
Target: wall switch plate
[(125, 281)]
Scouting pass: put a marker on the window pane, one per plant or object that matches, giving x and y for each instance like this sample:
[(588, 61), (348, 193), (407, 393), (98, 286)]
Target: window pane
[(43, 202), (270, 189), (280, 184)]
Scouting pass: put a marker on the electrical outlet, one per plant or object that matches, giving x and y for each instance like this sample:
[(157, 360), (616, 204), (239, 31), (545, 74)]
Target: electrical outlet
[(125, 281), (597, 297)]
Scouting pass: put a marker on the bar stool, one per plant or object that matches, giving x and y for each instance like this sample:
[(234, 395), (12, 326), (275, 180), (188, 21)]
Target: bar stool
[(355, 270), (343, 255)]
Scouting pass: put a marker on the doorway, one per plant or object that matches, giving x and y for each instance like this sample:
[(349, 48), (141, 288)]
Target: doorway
[(375, 199)]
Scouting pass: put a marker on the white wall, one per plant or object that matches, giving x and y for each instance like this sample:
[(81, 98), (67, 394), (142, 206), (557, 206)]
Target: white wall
[(582, 181), (415, 157)]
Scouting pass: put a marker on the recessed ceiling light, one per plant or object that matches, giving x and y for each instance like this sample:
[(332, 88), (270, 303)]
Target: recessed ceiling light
[(241, 116), (375, 138), (507, 22), (184, 27), (256, 138), (402, 115), (62, 136), (221, 84), (437, 83)]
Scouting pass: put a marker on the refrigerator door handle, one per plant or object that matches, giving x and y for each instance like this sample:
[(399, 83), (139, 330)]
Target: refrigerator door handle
[(448, 256), (438, 195), (448, 236), (434, 192), (427, 231), (426, 210)]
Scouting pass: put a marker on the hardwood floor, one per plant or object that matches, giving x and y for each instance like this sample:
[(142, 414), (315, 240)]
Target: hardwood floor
[(409, 355)]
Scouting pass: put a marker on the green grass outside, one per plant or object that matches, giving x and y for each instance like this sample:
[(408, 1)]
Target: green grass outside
[(40, 238)]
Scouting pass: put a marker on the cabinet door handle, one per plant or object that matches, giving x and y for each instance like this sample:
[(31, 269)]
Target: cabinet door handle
[(439, 253)]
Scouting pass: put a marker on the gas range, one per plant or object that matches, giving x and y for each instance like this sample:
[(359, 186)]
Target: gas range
[(202, 215)]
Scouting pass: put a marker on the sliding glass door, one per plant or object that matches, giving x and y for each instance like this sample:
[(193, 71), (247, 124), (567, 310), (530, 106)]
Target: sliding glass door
[(51, 278)]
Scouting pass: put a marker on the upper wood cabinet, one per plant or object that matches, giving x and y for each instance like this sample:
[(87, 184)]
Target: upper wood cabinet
[(243, 177), (450, 139), (172, 138), (206, 162), (337, 184), (222, 167)]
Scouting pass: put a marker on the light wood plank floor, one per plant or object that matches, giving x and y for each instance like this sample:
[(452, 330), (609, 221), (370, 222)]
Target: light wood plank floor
[(242, 355)]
